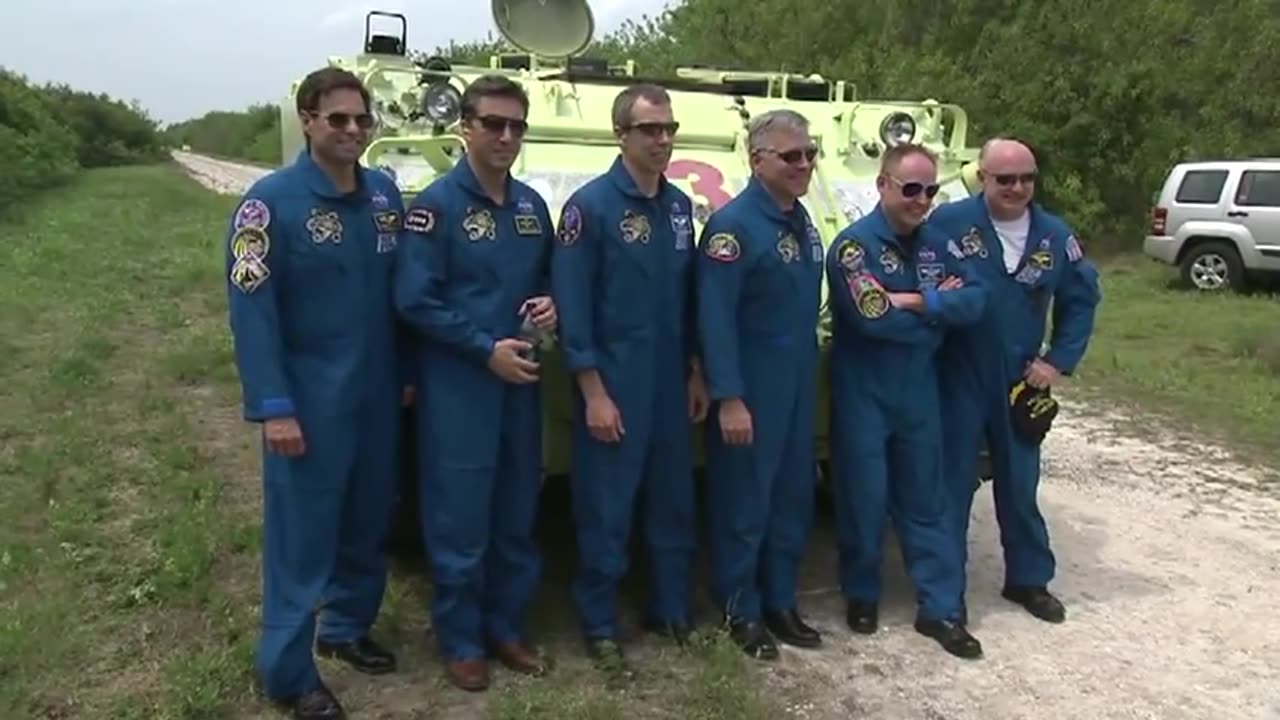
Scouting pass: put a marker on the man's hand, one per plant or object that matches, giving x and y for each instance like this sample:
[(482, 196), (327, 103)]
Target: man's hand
[(283, 436), (604, 422), (406, 395), (953, 282), (699, 402), (543, 310), (507, 364), (735, 422), (907, 301), (1041, 374)]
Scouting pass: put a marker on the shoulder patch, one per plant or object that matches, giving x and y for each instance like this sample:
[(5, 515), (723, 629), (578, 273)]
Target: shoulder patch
[(723, 247), (570, 225), (250, 241), (252, 213), (850, 255), (869, 297), (420, 220), (1075, 251), (249, 247)]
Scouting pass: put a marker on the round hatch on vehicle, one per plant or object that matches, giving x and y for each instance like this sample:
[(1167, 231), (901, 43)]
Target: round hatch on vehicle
[(546, 28)]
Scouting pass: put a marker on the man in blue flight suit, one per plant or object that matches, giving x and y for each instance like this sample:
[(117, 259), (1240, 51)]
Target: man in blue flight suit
[(309, 261), (759, 274), (622, 275), (894, 288), (475, 265), (1027, 257)]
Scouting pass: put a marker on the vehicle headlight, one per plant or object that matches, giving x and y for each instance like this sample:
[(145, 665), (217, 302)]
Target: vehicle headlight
[(897, 128), (442, 103)]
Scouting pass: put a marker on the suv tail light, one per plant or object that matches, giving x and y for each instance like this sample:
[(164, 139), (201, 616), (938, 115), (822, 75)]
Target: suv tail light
[(1158, 217)]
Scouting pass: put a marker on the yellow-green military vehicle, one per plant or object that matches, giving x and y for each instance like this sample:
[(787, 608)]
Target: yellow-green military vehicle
[(570, 138)]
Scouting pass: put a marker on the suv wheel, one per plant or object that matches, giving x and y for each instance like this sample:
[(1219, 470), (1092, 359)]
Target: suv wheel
[(1213, 267)]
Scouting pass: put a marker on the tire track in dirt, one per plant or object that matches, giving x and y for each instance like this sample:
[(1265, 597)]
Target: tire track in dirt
[(1169, 564)]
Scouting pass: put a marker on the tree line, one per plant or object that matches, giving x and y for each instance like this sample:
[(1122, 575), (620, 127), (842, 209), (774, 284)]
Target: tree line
[(1109, 93), (50, 132)]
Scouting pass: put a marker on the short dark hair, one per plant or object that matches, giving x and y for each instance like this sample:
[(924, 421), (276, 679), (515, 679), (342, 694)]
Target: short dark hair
[(898, 153), (492, 86), (324, 81), (626, 100)]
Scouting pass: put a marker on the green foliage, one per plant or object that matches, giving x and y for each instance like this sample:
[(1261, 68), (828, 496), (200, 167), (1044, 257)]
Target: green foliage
[(48, 133), (252, 134), (1110, 94)]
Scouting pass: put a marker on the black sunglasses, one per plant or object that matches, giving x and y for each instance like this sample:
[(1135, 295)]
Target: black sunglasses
[(793, 156), (654, 129), (496, 124), (340, 120), (914, 188), (1010, 178)]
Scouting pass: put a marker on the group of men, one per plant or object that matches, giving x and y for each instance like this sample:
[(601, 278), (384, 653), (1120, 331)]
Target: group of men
[(346, 306)]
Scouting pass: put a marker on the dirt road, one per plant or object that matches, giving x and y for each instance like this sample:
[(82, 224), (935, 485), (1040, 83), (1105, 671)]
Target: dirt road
[(1169, 564)]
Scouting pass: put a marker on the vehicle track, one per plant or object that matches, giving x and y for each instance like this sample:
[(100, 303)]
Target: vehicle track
[(1169, 564)]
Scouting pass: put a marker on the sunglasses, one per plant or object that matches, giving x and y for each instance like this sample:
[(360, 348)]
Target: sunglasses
[(654, 129), (1010, 178), (914, 188), (341, 120), (496, 124), (795, 155)]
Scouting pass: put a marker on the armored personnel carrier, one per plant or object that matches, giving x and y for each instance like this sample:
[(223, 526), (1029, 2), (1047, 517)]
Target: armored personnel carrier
[(570, 138)]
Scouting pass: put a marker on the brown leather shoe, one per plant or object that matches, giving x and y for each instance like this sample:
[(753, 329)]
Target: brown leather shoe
[(520, 658), (471, 675)]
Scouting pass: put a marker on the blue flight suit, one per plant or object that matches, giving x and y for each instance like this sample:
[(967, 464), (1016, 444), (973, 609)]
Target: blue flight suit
[(622, 276), (309, 272), (468, 266), (759, 275), (980, 365), (886, 432)]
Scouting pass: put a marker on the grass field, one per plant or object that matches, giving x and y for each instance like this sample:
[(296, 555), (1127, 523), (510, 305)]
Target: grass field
[(129, 528)]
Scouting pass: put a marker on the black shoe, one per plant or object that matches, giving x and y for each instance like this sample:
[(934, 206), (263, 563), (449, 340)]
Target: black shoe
[(788, 627), (679, 632), (952, 636), (363, 654), (318, 704), (863, 617), (754, 639), (608, 657), (1037, 600)]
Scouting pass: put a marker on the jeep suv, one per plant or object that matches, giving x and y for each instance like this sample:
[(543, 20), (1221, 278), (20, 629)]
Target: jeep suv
[(1219, 222)]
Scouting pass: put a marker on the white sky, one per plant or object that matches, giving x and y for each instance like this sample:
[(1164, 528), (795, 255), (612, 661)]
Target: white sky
[(182, 58)]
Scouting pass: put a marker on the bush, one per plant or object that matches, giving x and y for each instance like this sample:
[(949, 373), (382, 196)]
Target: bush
[(252, 134), (48, 133)]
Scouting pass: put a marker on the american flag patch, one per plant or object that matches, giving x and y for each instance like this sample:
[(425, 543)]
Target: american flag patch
[(1074, 252)]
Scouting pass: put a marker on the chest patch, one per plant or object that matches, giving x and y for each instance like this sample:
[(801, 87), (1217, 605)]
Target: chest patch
[(387, 221), (528, 225), (890, 261), (634, 228), (788, 247), (681, 226), (324, 226), (971, 244), (479, 225)]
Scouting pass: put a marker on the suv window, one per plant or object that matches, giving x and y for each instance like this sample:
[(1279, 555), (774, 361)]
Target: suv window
[(1259, 187), (1201, 186)]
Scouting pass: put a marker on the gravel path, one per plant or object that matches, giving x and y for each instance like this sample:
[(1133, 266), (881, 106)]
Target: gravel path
[(1169, 564)]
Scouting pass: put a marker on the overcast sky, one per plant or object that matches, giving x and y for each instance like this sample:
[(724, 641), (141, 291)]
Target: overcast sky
[(182, 58)]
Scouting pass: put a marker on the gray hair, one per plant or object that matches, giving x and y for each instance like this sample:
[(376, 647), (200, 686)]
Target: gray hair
[(765, 123)]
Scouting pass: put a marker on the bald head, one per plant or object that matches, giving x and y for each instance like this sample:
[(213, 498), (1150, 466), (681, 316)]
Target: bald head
[(1008, 172), (1005, 152)]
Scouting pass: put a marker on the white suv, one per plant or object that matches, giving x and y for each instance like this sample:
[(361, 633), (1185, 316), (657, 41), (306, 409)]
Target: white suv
[(1219, 222)]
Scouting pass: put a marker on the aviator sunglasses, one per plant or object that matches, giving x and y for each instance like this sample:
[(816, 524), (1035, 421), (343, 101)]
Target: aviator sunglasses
[(654, 129), (340, 120), (914, 188), (793, 156), (1008, 179), (497, 123)]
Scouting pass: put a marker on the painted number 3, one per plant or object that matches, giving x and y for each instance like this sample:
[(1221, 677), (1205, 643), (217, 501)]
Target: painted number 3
[(703, 179)]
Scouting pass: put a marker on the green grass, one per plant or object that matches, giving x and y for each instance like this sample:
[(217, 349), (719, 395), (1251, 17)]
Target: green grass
[(129, 531), (1206, 365)]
